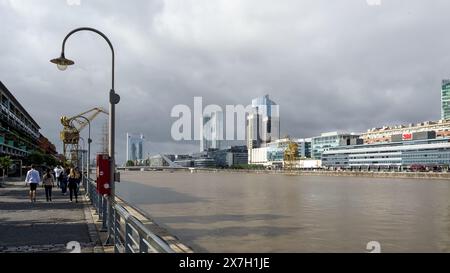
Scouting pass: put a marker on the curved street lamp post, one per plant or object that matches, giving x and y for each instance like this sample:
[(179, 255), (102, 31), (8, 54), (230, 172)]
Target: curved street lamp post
[(82, 155), (62, 62), (88, 166)]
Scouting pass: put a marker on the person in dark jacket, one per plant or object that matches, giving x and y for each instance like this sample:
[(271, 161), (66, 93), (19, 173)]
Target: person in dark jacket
[(63, 181), (73, 180)]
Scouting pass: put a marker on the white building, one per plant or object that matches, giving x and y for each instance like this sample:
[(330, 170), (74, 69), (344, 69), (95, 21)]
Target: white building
[(135, 147)]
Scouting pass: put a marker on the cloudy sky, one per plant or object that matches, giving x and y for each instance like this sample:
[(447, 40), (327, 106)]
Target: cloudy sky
[(330, 65)]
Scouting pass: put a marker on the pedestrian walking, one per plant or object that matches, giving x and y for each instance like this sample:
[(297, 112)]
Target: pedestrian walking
[(78, 178), (33, 179), (73, 184), (63, 181), (58, 170), (48, 184)]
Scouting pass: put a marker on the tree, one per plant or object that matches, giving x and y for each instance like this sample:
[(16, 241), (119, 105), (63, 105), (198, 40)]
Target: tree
[(291, 156), (130, 163), (35, 158), (5, 164), (39, 159)]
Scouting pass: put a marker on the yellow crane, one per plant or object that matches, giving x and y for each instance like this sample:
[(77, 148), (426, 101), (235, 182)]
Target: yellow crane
[(70, 135)]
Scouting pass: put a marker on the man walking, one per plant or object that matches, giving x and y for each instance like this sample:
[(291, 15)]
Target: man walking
[(33, 179), (58, 170)]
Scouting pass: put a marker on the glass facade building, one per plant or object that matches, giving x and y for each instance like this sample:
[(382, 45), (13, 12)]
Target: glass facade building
[(276, 150), (330, 140), (212, 131), (263, 122), (445, 99), (135, 147), (428, 152)]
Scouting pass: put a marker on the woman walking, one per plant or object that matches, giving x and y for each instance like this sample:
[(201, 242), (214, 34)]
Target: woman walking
[(63, 181), (48, 184), (73, 184)]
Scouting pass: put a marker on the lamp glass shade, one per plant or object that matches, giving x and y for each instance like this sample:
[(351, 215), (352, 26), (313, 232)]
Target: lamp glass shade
[(62, 67), (62, 62)]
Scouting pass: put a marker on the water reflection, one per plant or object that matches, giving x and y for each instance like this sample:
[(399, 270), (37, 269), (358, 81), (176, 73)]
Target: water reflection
[(230, 212)]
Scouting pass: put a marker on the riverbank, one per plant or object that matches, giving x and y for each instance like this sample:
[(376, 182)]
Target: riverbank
[(408, 175)]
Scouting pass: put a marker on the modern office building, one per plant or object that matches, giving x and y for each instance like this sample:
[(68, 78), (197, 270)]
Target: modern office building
[(263, 123), (445, 99), (19, 132), (212, 131), (384, 134), (233, 156), (184, 161), (135, 147), (330, 140), (304, 147), (272, 154), (204, 163), (405, 151)]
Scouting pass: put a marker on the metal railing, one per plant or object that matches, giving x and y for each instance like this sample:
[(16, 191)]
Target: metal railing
[(130, 235)]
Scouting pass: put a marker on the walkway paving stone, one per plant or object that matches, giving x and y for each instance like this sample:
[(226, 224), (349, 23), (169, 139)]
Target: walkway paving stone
[(42, 226)]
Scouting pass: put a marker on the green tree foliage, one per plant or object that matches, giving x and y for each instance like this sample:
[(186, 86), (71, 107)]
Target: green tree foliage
[(5, 164), (39, 158), (130, 163), (248, 167)]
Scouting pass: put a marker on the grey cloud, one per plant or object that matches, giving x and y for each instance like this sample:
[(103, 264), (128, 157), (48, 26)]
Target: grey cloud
[(331, 65)]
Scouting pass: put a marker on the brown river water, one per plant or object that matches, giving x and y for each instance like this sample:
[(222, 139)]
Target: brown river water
[(240, 212)]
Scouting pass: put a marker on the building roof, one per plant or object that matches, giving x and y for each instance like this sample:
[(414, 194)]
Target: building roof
[(17, 103)]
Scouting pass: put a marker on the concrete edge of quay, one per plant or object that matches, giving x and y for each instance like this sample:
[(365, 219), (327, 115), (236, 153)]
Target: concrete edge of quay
[(399, 175)]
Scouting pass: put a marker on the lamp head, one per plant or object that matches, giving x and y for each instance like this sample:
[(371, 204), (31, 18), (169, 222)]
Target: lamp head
[(62, 62)]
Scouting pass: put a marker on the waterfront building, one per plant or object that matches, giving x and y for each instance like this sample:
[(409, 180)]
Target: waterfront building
[(384, 134), (187, 163), (272, 154), (304, 147), (204, 163), (159, 161), (135, 147), (212, 131), (46, 147), (233, 156), (330, 140), (263, 123), (407, 150), (445, 99), (19, 132)]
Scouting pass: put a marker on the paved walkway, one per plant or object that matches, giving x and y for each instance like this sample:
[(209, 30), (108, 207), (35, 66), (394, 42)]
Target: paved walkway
[(41, 226)]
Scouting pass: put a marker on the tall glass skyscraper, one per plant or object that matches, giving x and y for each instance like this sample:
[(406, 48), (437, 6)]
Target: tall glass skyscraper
[(263, 123), (212, 131), (445, 99), (135, 147)]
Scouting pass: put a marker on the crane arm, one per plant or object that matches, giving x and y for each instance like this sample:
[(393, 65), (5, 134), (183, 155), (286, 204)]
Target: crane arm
[(82, 123), (67, 122)]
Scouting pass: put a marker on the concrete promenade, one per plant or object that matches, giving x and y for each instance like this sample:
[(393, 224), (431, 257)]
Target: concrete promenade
[(44, 227)]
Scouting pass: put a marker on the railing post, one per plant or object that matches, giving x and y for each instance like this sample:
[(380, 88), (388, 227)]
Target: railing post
[(115, 233), (128, 241), (104, 213), (143, 247)]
